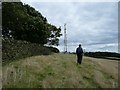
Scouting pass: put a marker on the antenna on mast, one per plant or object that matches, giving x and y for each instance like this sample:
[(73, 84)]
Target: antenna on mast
[(65, 39)]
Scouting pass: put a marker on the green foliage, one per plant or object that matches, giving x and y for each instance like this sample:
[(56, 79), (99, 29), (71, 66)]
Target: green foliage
[(53, 49), (23, 22), (13, 49)]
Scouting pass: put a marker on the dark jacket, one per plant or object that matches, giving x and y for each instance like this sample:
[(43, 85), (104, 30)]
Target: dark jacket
[(79, 50)]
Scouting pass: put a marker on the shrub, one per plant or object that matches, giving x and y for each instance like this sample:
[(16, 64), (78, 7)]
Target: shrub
[(14, 49), (53, 49)]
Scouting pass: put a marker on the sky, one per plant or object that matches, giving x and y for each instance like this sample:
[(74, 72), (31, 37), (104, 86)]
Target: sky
[(92, 24)]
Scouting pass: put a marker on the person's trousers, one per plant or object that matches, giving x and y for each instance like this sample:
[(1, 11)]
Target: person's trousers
[(79, 58)]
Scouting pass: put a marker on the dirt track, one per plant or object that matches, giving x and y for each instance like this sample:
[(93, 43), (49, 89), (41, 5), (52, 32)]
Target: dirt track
[(109, 66)]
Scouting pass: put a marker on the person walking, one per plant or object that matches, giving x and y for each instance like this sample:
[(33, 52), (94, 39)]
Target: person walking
[(79, 52)]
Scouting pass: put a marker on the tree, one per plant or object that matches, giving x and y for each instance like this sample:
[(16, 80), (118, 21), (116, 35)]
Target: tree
[(23, 22), (54, 36)]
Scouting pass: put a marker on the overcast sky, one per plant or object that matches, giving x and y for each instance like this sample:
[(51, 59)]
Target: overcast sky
[(93, 24)]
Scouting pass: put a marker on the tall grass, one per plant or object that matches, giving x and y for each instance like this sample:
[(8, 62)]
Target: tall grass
[(57, 71)]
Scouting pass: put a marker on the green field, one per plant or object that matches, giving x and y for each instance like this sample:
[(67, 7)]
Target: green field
[(60, 71)]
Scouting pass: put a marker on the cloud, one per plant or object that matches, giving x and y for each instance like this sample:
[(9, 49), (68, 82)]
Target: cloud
[(69, 1), (94, 24)]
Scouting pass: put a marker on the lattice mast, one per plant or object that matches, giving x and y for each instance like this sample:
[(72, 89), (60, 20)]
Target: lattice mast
[(65, 39)]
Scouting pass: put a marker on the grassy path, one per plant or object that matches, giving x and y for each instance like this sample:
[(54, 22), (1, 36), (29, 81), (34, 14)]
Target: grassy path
[(60, 71)]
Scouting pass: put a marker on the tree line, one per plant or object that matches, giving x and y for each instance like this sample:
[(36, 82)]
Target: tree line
[(105, 55), (23, 22)]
